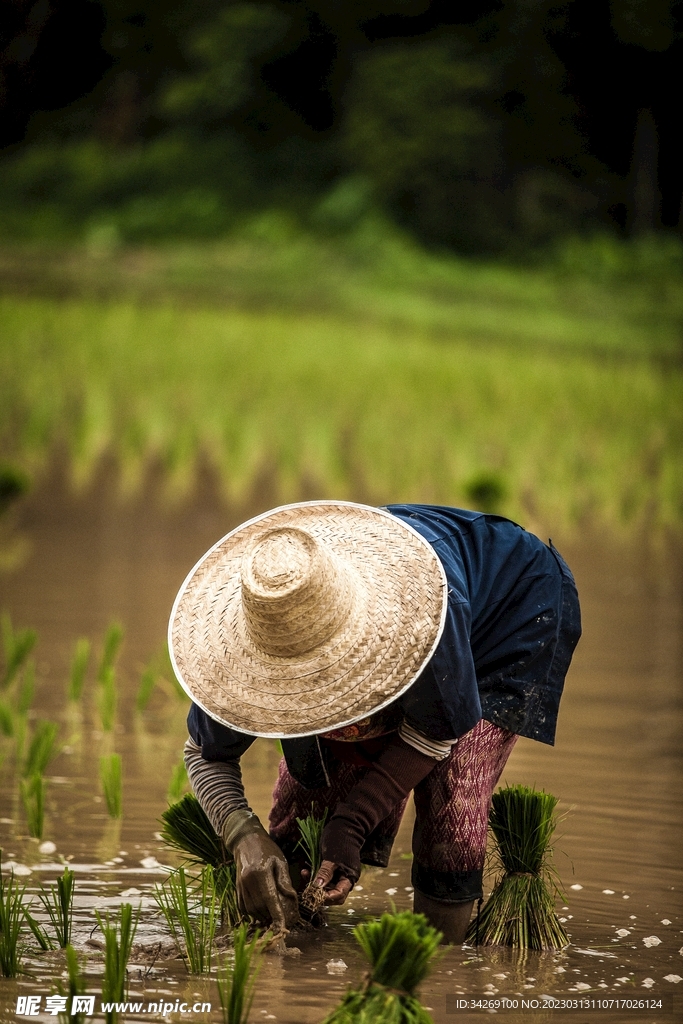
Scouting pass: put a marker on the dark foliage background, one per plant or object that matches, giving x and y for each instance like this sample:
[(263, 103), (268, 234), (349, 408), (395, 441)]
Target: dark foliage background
[(484, 126)]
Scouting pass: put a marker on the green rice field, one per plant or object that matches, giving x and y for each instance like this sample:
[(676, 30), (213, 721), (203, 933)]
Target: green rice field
[(375, 374)]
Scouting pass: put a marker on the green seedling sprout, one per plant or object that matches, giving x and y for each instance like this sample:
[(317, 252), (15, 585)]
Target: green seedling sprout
[(312, 899), (41, 749), (400, 948), (108, 700), (237, 978), (16, 648), (58, 904), (191, 915), (6, 720), (178, 782), (11, 915), (32, 792), (26, 689), (75, 987), (113, 639), (39, 933), (145, 690), (118, 942), (520, 911), (110, 777), (79, 667)]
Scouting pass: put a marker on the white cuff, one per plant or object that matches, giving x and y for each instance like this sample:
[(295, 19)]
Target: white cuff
[(438, 749)]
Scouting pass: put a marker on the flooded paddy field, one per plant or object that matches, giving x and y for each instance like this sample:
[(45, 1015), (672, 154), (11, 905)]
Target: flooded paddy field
[(72, 564)]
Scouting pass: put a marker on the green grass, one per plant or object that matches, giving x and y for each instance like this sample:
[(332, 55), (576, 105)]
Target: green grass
[(388, 376)]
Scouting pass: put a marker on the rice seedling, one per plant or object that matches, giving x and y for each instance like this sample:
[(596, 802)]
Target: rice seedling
[(520, 911), (118, 933), (187, 829), (16, 645), (41, 749), (58, 904), (79, 667), (178, 782), (26, 689), (400, 948), (113, 639), (11, 914), (39, 933), (110, 777), (6, 720), (75, 987), (145, 689), (108, 700), (237, 977), (32, 791), (312, 899), (191, 915)]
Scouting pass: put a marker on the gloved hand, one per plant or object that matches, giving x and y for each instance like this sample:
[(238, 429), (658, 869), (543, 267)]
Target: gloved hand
[(264, 889), (397, 770)]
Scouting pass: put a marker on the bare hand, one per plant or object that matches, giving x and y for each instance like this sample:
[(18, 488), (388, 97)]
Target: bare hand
[(337, 887)]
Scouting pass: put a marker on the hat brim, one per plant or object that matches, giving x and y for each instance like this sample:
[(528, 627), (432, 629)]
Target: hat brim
[(395, 623)]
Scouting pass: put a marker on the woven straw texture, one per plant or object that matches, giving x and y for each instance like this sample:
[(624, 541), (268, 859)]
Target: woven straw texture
[(307, 618)]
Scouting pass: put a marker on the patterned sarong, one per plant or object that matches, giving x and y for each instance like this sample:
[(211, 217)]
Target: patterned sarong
[(451, 804)]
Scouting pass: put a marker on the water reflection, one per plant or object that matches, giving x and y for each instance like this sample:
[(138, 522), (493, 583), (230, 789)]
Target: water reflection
[(616, 766)]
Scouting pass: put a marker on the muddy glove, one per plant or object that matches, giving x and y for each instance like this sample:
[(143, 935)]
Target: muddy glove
[(397, 771), (264, 889)]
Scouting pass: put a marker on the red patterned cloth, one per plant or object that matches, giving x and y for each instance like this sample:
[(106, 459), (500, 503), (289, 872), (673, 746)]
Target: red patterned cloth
[(452, 805)]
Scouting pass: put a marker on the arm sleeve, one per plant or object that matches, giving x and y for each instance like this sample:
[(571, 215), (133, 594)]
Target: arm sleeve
[(438, 749), (216, 784)]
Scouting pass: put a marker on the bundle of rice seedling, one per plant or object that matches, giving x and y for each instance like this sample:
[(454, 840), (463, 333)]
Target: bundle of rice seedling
[(521, 908), (186, 828), (399, 948), (312, 899)]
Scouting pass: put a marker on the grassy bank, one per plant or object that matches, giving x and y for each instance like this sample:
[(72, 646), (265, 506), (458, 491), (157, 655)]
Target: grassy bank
[(572, 404), (602, 296)]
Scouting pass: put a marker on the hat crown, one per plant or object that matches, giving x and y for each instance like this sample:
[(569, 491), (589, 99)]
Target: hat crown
[(295, 594)]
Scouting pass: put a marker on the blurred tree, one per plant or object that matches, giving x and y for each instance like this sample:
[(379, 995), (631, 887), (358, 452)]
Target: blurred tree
[(481, 125)]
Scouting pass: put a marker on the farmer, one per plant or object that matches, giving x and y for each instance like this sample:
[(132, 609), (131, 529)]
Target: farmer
[(390, 650)]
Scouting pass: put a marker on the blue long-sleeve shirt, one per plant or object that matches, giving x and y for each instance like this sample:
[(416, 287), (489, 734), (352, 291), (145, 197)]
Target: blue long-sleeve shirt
[(512, 624)]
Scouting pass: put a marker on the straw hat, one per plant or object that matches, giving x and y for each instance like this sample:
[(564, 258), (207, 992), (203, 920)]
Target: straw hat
[(307, 618)]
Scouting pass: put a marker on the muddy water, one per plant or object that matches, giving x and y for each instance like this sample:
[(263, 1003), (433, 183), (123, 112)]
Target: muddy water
[(616, 767)]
